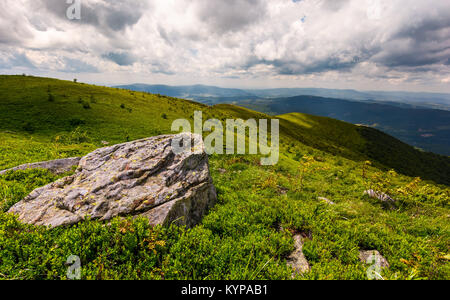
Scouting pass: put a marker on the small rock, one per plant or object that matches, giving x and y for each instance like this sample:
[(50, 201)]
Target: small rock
[(282, 190), (105, 143), (376, 261), (222, 171), (383, 197), (297, 259), (371, 256), (326, 200), (59, 166)]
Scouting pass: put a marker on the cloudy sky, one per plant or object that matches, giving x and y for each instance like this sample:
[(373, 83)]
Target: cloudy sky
[(360, 44)]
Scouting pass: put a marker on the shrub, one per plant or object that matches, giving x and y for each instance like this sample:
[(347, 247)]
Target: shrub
[(86, 105), (76, 136), (28, 127), (76, 122)]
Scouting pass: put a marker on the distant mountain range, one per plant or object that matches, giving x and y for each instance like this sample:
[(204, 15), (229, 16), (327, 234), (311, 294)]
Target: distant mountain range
[(214, 95), (428, 129), (419, 119)]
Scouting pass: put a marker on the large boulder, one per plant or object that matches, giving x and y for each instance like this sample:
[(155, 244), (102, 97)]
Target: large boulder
[(142, 178)]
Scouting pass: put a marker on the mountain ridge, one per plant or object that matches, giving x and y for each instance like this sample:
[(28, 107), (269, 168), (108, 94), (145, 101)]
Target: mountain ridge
[(422, 126), (414, 99)]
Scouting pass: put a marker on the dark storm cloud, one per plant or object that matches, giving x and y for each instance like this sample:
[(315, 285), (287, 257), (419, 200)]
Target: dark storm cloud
[(428, 30), (120, 58), (292, 67), (419, 43), (330, 64), (105, 15), (230, 15), (415, 58), (417, 46)]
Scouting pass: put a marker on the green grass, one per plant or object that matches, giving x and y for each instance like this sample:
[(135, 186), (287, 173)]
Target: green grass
[(248, 234), (18, 148), (361, 142)]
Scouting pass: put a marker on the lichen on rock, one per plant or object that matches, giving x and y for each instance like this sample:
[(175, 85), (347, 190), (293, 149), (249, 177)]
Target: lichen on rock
[(141, 178)]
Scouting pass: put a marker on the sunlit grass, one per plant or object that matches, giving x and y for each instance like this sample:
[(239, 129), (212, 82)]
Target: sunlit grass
[(248, 234)]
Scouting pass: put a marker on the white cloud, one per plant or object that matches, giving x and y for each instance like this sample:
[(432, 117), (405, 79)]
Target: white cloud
[(345, 43)]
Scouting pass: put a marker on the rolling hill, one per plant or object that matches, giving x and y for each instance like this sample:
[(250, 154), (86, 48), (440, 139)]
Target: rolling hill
[(418, 119), (428, 129), (249, 233), (117, 115)]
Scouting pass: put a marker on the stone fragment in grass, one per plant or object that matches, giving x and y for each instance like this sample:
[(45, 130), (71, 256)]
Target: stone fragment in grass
[(326, 200), (59, 166), (222, 171), (372, 257), (297, 259), (383, 197)]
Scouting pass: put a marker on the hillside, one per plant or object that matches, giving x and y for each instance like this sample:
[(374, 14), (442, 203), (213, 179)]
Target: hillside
[(405, 116), (355, 142), (248, 234), (358, 142), (427, 129)]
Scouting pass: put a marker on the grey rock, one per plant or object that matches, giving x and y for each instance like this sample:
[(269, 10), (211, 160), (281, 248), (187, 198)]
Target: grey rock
[(141, 178), (297, 259), (222, 171), (282, 190), (383, 197), (371, 257), (328, 201), (58, 166), (375, 262)]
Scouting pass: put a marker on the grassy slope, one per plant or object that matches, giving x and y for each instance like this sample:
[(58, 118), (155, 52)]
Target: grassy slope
[(361, 142), (240, 238), (405, 123), (354, 142)]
